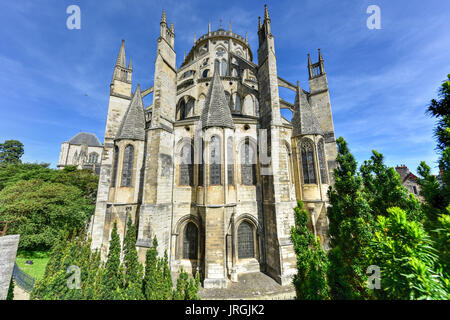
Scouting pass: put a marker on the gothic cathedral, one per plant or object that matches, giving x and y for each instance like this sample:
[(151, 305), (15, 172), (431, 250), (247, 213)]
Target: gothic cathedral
[(211, 167)]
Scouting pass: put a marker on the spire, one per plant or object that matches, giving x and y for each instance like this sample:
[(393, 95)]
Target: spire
[(246, 36), (172, 28), (130, 66), (209, 27), (309, 60), (230, 26), (216, 112), (133, 123), (304, 121), (121, 61), (163, 17), (184, 58), (195, 37), (259, 23), (320, 56), (266, 13)]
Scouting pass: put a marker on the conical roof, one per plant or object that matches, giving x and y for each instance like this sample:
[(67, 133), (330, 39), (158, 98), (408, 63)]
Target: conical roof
[(303, 120), (216, 112), (133, 123)]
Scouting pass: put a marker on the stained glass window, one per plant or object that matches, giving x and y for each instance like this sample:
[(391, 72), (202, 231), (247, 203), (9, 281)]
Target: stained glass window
[(246, 244), (190, 241), (186, 166), (322, 166), (308, 162), (215, 161), (127, 168), (248, 164)]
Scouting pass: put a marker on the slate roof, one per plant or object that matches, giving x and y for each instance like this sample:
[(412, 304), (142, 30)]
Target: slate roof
[(303, 120), (216, 112), (133, 123), (85, 137)]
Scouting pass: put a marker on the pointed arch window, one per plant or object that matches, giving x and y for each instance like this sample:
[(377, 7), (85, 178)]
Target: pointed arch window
[(217, 65), (93, 157), (205, 73), (308, 162), (248, 164), (127, 168), (230, 171), (224, 66), (186, 166), (246, 242), (115, 164), (214, 161), (237, 103), (182, 110), (322, 165), (190, 241)]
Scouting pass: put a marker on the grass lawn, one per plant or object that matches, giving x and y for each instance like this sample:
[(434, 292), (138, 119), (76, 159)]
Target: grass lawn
[(40, 259)]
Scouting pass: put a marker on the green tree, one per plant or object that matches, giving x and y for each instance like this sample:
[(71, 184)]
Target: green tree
[(312, 263), (112, 278), (133, 269), (11, 151), (350, 229), (150, 279), (39, 210), (403, 251), (186, 288), (383, 189)]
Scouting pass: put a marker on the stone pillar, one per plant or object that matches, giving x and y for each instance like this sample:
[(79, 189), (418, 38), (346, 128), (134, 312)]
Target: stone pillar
[(8, 250)]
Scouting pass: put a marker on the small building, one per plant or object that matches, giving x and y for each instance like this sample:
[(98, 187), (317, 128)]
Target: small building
[(84, 151), (409, 180)]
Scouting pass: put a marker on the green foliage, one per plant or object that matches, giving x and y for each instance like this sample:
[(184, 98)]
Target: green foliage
[(10, 295), (350, 229), (133, 269), (186, 288), (383, 189), (113, 273), (10, 152), (312, 263), (403, 251), (39, 210)]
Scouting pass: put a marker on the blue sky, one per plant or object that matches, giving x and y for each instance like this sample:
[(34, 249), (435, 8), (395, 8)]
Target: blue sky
[(54, 82)]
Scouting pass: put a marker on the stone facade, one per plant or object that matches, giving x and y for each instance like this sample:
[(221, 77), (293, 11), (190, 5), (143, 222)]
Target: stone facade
[(409, 181), (83, 150), (211, 168)]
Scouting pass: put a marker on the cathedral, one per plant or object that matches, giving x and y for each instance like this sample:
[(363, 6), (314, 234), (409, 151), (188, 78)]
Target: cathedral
[(211, 167)]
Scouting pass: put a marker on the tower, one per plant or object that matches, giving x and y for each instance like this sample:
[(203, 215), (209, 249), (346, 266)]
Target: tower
[(157, 198), (119, 101), (278, 200), (319, 99)]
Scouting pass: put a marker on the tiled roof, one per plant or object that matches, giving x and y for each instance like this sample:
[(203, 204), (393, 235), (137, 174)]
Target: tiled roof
[(133, 123), (85, 137)]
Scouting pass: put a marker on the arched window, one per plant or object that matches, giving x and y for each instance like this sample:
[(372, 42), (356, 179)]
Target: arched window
[(217, 65), (214, 161), (205, 73), (93, 157), (186, 166), (201, 165), (235, 72), (182, 110), (115, 164), (127, 168), (308, 162), (248, 164), (246, 243), (190, 241), (227, 97), (236, 103), (230, 171), (224, 67), (322, 166), (189, 108)]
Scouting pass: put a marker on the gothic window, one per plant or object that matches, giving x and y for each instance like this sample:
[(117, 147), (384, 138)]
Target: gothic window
[(115, 164), (201, 165), (205, 73), (224, 66), (182, 110), (189, 107), (322, 166), (246, 243), (236, 103), (248, 164), (235, 72), (214, 161), (93, 157), (227, 97), (127, 168), (186, 166), (230, 171), (308, 162), (217, 66), (190, 241)]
